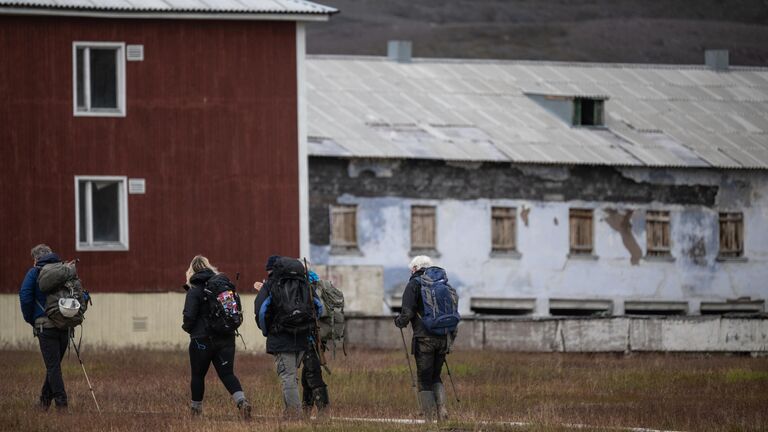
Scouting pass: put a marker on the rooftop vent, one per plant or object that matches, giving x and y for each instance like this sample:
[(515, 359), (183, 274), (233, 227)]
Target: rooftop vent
[(716, 59), (399, 51)]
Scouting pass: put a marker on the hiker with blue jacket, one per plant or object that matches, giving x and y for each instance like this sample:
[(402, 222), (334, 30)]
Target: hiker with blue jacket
[(53, 341), (284, 313), (434, 328), (206, 345)]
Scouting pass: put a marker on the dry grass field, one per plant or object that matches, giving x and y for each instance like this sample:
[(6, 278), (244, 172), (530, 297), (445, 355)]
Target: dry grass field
[(148, 390)]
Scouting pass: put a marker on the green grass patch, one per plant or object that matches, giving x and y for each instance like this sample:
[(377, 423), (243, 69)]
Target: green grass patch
[(742, 375)]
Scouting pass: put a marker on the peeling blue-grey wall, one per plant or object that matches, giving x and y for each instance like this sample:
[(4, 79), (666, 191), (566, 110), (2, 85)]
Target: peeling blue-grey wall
[(464, 197)]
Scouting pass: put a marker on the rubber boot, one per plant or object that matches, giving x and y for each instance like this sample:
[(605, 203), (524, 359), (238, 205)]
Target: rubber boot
[(320, 398), (428, 406), (439, 390)]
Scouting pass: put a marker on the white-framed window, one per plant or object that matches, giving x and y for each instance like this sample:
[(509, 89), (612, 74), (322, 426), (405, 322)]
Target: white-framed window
[(101, 213), (98, 79)]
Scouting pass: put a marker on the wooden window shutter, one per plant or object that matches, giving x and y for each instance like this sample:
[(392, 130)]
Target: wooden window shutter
[(423, 227), (580, 224), (658, 241), (344, 226), (731, 235), (503, 229)]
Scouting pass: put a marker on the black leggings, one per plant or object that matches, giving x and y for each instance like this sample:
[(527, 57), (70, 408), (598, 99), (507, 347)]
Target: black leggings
[(220, 351)]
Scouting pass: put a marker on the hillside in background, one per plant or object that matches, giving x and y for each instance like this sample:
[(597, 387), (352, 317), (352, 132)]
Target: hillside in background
[(634, 31)]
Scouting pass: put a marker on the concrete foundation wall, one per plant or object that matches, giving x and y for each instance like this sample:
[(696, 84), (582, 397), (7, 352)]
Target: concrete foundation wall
[(618, 334), (363, 287), (151, 321)]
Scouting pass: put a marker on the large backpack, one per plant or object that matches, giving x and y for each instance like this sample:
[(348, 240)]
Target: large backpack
[(332, 324), (66, 300), (441, 303), (225, 312), (291, 307)]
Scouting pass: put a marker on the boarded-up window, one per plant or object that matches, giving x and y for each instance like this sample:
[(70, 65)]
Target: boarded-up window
[(344, 226), (503, 229), (731, 235), (423, 228), (581, 231), (657, 233)]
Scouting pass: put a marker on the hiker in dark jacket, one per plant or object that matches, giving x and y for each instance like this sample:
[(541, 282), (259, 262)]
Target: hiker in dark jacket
[(428, 349), (53, 341), (287, 348), (206, 347)]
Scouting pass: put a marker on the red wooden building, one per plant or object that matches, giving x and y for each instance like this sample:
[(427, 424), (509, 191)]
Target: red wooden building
[(135, 137)]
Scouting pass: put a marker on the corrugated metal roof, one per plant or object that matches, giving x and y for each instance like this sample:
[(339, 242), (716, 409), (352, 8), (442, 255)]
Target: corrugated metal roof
[(480, 110), (177, 6)]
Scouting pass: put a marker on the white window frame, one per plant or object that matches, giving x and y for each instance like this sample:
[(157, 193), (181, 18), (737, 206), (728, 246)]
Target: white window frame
[(121, 110), (89, 245)]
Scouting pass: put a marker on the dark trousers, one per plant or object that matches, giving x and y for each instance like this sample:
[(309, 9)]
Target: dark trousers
[(220, 351), (53, 345), (311, 376), (430, 355)]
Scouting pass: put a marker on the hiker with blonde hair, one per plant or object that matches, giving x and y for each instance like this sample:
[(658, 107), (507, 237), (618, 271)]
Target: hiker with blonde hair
[(207, 344)]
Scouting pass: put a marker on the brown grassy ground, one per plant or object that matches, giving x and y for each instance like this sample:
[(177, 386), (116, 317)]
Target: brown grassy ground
[(147, 390)]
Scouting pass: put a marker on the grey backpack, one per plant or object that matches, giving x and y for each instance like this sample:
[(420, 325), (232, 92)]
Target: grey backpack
[(331, 322)]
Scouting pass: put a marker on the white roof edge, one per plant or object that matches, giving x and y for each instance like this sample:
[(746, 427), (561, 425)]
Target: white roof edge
[(534, 62), (206, 15)]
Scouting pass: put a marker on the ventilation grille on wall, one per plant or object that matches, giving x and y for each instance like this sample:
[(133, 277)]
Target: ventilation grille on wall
[(134, 52), (140, 324), (137, 186)]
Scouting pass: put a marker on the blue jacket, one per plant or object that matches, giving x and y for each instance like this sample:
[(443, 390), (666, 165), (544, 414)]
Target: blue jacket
[(31, 298), (279, 342)]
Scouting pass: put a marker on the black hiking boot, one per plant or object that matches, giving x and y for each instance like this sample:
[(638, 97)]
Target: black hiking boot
[(307, 402), (245, 409), (43, 403), (320, 398)]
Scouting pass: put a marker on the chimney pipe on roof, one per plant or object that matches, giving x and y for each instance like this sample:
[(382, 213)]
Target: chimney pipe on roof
[(716, 59), (399, 51)]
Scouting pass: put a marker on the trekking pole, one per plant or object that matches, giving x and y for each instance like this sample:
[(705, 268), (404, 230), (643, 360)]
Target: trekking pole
[(245, 347), (410, 370), (456, 395), (77, 351)]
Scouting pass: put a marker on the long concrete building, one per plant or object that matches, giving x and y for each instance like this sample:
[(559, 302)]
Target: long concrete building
[(545, 188)]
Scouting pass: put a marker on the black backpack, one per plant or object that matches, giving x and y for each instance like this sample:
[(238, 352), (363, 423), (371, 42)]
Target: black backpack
[(225, 312), (291, 306)]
